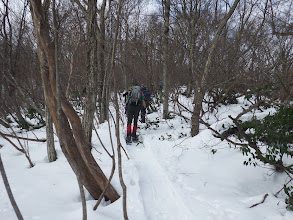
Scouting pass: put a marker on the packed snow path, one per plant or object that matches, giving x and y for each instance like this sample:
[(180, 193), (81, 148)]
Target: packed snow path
[(160, 198)]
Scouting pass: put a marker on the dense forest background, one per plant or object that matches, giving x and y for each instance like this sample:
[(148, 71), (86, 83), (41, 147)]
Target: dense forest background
[(254, 50), (59, 55)]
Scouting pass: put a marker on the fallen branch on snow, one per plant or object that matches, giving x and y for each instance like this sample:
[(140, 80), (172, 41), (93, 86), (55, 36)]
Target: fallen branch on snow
[(264, 198)]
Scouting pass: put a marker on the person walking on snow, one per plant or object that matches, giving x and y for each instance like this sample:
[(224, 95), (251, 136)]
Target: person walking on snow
[(134, 101)]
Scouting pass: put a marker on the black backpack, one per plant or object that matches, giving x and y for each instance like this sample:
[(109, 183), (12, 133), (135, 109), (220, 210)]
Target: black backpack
[(135, 95), (147, 95)]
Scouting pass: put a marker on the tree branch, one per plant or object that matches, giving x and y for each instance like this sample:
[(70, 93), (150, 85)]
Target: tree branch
[(264, 198), (22, 138), (80, 5), (9, 192)]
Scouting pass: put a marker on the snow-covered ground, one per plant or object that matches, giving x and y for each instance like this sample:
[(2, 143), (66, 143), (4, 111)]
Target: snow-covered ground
[(170, 176)]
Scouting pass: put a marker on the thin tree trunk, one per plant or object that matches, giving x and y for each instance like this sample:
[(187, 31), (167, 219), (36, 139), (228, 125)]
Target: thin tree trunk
[(124, 188), (71, 67), (52, 155), (166, 53), (91, 88), (125, 56), (200, 89), (101, 65), (9, 192)]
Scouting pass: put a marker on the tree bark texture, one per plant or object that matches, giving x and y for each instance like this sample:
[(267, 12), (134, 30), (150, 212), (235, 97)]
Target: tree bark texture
[(91, 88), (166, 6), (51, 152), (73, 135), (102, 100)]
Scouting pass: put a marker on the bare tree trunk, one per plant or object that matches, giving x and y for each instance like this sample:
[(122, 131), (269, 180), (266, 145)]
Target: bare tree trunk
[(103, 107), (118, 114), (73, 136), (91, 88), (125, 56), (71, 67), (200, 89), (52, 155), (166, 6), (9, 192)]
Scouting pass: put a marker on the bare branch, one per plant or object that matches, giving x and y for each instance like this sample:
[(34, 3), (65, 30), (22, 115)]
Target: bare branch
[(264, 198), (23, 138), (13, 144), (80, 5), (9, 192)]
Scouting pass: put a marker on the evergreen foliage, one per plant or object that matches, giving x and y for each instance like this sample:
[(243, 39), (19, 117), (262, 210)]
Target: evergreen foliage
[(270, 140)]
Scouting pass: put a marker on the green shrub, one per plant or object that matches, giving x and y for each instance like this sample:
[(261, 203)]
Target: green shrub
[(269, 140)]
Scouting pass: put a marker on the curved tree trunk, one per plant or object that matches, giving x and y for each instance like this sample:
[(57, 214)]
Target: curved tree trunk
[(73, 136)]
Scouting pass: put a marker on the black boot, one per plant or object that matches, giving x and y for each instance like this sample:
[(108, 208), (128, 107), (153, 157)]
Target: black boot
[(134, 138), (128, 139)]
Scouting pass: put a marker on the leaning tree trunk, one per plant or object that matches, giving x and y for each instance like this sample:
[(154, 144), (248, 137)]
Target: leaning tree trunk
[(166, 4), (9, 191), (200, 89), (59, 109), (73, 137)]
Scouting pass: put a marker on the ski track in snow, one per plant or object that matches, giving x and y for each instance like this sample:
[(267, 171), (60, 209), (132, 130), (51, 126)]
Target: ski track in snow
[(159, 196)]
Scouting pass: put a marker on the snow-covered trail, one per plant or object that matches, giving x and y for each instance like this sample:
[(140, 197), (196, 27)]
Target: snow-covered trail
[(160, 198)]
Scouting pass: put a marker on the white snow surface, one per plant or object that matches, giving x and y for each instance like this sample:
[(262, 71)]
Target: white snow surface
[(171, 176)]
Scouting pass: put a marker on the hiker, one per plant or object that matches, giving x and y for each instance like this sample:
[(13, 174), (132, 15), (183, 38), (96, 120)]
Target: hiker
[(125, 95), (147, 98), (134, 101), (143, 108), (148, 101)]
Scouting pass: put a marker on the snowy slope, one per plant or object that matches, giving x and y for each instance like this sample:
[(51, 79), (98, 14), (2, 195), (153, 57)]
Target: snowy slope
[(170, 176)]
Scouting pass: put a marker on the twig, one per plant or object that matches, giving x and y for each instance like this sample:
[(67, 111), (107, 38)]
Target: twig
[(256, 204), (22, 138), (113, 165), (184, 117), (124, 151), (188, 110), (220, 135), (277, 193), (256, 105), (14, 145)]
